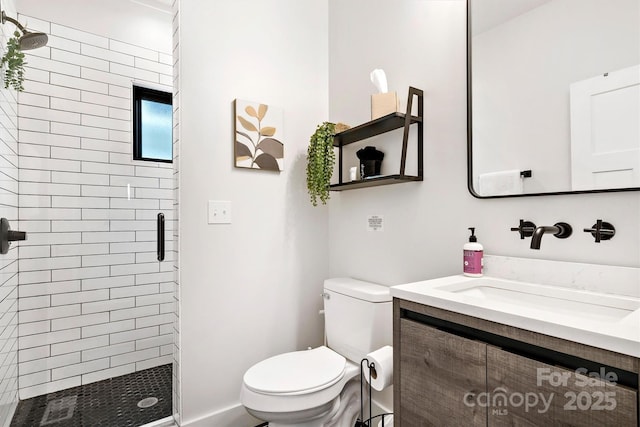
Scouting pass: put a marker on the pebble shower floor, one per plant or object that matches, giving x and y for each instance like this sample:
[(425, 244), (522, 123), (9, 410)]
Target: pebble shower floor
[(108, 403)]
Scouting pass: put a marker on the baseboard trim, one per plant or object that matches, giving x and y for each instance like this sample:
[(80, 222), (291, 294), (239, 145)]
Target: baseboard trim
[(237, 416), (378, 408), (233, 416)]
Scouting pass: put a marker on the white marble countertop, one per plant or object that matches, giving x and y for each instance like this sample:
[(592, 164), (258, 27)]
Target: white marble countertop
[(610, 321)]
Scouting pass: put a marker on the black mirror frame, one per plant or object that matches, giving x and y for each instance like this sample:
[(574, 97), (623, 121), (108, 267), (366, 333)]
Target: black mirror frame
[(470, 139)]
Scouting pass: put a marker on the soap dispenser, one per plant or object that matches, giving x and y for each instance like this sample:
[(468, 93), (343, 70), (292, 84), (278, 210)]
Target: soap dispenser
[(472, 256)]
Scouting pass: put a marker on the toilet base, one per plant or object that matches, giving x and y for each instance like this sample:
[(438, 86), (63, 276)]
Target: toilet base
[(343, 411), (308, 418)]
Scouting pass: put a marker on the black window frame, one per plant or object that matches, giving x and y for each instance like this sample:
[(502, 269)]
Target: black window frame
[(141, 93)]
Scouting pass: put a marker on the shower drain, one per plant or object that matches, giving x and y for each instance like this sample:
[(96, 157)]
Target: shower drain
[(147, 402), (59, 410)]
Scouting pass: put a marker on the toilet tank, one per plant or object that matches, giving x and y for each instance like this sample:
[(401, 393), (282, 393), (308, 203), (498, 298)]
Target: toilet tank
[(358, 317)]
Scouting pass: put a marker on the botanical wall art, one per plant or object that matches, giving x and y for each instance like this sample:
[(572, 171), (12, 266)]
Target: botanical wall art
[(258, 136)]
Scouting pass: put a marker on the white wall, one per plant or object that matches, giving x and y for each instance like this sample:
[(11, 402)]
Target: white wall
[(251, 289), (522, 70), (422, 43)]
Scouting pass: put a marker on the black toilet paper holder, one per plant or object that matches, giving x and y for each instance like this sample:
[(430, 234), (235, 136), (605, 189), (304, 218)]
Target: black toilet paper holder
[(371, 370)]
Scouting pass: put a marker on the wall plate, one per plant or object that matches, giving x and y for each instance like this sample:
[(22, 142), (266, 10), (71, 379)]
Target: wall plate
[(219, 212)]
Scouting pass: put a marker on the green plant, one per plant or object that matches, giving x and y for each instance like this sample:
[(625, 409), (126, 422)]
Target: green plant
[(13, 64), (320, 160)]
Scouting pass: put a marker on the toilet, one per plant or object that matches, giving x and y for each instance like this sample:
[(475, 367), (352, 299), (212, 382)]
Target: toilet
[(321, 387)]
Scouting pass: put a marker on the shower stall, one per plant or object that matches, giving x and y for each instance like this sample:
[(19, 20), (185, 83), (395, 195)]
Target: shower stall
[(88, 294)]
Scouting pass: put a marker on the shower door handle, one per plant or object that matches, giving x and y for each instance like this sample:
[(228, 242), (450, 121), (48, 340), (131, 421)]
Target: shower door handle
[(160, 237), (7, 235)]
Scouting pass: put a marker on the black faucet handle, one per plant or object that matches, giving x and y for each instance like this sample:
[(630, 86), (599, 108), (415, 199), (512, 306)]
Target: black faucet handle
[(526, 229), (601, 230), (7, 235)]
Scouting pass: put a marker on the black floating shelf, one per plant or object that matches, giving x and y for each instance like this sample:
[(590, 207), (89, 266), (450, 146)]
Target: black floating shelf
[(374, 182), (372, 128), (379, 126)]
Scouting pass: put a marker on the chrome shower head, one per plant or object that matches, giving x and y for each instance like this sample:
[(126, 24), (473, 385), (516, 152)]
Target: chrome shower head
[(28, 40), (33, 40)]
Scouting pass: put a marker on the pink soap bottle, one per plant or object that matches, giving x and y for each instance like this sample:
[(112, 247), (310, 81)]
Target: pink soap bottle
[(472, 256)]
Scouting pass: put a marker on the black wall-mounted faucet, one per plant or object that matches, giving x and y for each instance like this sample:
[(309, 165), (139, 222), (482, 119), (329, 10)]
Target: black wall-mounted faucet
[(601, 230), (525, 228), (561, 230)]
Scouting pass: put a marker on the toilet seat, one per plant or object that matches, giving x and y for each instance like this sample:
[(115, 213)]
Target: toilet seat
[(307, 401), (298, 372)]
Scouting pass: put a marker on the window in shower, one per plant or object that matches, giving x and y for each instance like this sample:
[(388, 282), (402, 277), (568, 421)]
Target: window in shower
[(152, 125)]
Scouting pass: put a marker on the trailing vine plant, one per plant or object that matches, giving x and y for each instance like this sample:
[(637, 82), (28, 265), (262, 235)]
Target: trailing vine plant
[(13, 64), (320, 161)]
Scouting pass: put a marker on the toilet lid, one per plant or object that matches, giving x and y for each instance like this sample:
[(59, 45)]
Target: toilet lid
[(296, 372)]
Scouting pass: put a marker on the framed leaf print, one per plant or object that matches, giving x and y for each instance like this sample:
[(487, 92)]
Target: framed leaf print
[(258, 136)]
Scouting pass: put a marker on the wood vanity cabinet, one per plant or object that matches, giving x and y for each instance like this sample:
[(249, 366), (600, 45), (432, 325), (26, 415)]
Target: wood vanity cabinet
[(440, 367), (455, 370), (580, 401)]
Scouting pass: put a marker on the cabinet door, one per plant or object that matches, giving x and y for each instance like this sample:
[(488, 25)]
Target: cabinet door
[(525, 392), (438, 371)]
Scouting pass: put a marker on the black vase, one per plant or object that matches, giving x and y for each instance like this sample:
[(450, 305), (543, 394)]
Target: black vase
[(370, 161), (370, 167)]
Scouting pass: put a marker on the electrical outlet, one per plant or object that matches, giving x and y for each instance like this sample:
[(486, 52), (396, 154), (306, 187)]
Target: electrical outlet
[(219, 212)]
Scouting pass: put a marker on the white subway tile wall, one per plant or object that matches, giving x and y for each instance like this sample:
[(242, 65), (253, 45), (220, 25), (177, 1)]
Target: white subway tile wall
[(94, 302), (9, 200)]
